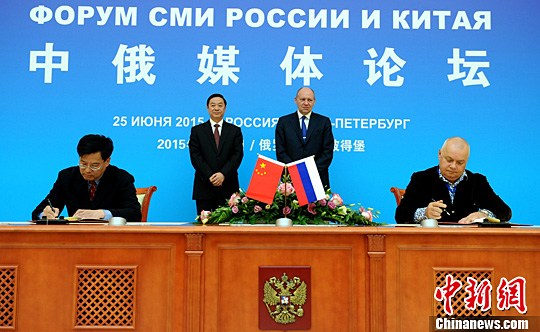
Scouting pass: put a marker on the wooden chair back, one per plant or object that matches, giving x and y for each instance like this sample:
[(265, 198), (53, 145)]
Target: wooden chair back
[(144, 195), (398, 194)]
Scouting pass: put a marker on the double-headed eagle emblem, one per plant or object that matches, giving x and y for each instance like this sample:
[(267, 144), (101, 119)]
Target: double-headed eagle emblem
[(284, 298)]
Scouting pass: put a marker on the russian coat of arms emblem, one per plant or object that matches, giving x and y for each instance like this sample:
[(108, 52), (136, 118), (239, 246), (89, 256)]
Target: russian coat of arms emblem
[(284, 298)]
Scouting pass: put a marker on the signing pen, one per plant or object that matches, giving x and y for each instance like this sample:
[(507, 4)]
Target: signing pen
[(50, 205), (443, 209)]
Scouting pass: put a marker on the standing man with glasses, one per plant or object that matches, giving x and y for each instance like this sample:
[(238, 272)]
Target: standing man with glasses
[(216, 151), (303, 134), (94, 189)]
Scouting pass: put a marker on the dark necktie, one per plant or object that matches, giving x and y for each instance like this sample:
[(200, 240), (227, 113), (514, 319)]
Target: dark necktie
[(216, 134), (92, 190), (304, 129)]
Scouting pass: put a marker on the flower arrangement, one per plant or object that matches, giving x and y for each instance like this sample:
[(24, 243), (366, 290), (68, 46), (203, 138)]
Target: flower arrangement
[(330, 210)]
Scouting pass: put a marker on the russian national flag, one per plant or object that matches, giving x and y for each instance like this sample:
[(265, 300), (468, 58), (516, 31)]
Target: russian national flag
[(306, 180)]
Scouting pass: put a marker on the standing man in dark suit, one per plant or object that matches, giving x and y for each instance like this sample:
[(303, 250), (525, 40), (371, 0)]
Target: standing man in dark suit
[(449, 192), (94, 189), (304, 133), (216, 151)]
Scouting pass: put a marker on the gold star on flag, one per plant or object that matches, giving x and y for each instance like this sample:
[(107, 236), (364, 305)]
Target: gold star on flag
[(262, 166)]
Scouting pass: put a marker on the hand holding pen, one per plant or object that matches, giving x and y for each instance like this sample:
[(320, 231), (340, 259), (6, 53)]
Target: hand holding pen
[(50, 212), (435, 209)]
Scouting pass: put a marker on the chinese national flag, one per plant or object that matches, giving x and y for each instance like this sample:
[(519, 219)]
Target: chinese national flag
[(265, 180)]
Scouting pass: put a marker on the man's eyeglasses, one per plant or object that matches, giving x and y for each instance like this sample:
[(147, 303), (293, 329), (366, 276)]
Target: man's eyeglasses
[(92, 167)]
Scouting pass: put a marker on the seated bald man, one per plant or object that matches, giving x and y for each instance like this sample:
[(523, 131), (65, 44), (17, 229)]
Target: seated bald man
[(449, 192)]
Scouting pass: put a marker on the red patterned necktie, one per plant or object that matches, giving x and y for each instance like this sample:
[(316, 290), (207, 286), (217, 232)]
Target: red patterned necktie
[(216, 134), (92, 190)]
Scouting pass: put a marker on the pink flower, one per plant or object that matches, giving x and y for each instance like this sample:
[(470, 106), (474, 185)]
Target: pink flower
[(322, 202), (337, 200), (257, 208), (234, 209), (289, 189), (234, 200), (331, 205), (204, 216), (311, 208), (245, 200), (286, 210), (367, 214)]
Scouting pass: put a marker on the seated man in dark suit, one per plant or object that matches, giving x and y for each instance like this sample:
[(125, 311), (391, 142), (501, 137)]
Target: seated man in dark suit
[(94, 189), (303, 134), (448, 192)]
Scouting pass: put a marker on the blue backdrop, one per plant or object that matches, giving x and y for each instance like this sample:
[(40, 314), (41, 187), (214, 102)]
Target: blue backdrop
[(396, 78)]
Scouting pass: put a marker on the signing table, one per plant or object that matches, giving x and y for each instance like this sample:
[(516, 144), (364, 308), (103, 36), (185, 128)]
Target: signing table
[(208, 278)]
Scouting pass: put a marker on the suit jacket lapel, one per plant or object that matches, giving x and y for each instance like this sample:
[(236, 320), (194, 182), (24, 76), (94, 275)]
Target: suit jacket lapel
[(101, 189), (295, 126), (82, 192), (209, 133), (313, 125), (223, 136)]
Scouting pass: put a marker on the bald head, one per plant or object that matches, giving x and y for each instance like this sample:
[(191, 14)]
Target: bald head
[(456, 143), (305, 100), (453, 157)]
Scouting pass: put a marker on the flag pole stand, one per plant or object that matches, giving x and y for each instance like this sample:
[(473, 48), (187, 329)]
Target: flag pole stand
[(284, 222)]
